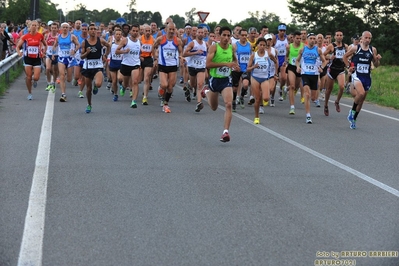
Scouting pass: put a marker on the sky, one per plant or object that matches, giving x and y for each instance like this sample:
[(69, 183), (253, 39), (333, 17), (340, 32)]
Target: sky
[(217, 9)]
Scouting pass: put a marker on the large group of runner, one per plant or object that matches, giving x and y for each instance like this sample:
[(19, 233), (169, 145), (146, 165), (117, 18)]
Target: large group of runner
[(231, 63)]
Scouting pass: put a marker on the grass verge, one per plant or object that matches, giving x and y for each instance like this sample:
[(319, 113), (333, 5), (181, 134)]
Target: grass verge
[(14, 74)]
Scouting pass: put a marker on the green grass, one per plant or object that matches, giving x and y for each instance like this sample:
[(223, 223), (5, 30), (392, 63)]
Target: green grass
[(14, 74), (384, 87)]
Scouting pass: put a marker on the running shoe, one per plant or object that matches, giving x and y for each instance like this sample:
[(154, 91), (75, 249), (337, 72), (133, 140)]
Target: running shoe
[(350, 116), (251, 100), (80, 94), (48, 87), (234, 106), (187, 95), (353, 124), (302, 100), (88, 109), (34, 84), (242, 104), (292, 111), (74, 82), (58, 81), (166, 109), (256, 121), (272, 103), (199, 107), (95, 89), (281, 98), (130, 94), (133, 104), (122, 90), (53, 88), (155, 76), (181, 80), (109, 85), (63, 98), (30, 97), (322, 94), (144, 101), (261, 110), (317, 103), (265, 103), (308, 120), (225, 137), (115, 98), (204, 91)]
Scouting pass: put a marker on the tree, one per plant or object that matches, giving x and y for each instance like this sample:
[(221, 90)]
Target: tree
[(109, 14), (178, 20), (157, 18), (190, 16)]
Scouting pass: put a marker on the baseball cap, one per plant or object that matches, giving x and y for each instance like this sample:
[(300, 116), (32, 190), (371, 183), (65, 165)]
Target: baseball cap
[(311, 34), (282, 27), (268, 37), (355, 37), (49, 22)]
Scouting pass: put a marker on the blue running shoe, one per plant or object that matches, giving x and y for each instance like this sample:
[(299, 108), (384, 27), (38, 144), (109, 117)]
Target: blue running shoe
[(115, 98), (34, 84), (353, 124), (350, 116), (88, 109), (95, 90)]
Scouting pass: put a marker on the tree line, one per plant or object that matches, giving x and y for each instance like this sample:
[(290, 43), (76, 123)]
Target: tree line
[(320, 16)]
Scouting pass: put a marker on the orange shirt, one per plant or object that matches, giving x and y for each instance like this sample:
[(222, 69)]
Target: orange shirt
[(146, 46)]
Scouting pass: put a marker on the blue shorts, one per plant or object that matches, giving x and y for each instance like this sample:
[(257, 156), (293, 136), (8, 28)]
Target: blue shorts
[(260, 80), (55, 61), (219, 84), (365, 80), (67, 61)]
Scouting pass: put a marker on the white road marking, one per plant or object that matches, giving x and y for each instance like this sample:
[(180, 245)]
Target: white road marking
[(329, 160), (32, 239)]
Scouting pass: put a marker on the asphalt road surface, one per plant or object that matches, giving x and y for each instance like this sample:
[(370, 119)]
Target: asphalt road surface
[(123, 186)]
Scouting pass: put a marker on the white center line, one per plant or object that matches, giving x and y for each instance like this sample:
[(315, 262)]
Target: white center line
[(32, 239)]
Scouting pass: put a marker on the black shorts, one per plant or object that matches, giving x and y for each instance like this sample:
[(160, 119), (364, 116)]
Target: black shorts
[(147, 62), (167, 69), (192, 71), (55, 61), (113, 69), (90, 73), (236, 75), (28, 61), (333, 73), (127, 70), (311, 81), (293, 69), (322, 74)]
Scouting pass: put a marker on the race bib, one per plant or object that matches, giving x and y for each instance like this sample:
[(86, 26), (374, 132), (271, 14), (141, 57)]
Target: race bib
[(244, 58), (65, 53), (94, 63), (134, 52), (169, 54), (198, 63), (282, 51), (116, 56), (293, 61), (339, 54), (223, 71), (362, 68), (33, 51), (146, 48), (309, 68)]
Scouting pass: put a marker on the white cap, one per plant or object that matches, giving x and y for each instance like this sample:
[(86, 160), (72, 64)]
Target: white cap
[(268, 36), (49, 22)]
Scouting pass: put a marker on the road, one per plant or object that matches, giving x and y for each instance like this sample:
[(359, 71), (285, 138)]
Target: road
[(123, 186)]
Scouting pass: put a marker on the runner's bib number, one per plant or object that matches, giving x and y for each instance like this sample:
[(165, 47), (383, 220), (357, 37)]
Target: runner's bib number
[(146, 48), (65, 53), (244, 58), (169, 54), (33, 51), (362, 68), (94, 63), (198, 63), (309, 68), (223, 71)]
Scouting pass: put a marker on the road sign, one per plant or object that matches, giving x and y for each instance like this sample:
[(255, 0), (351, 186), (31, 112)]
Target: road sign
[(203, 15)]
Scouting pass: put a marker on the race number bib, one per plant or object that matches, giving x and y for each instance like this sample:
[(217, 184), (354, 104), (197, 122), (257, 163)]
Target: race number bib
[(94, 63), (362, 68), (309, 68), (223, 71), (65, 53), (244, 58), (198, 63), (293, 61), (146, 48), (33, 51), (134, 52), (169, 54), (339, 54), (116, 56)]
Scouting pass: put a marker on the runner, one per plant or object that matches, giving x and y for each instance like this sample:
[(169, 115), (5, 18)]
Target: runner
[(147, 61), (336, 70), (65, 56), (221, 59), (35, 46), (259, 63), (93, 63), (51, 65), (78, 63), (281, 47), (307, 64), (115, 61), (169, 48), (130, 66), (197, 51), (294, 77), (273, 76), (363, 55)]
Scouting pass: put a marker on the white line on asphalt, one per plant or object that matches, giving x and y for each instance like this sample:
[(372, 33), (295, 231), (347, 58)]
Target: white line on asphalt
[(371, 112), (32, 238), (323, 157)]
